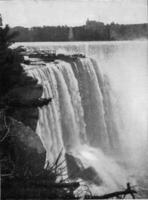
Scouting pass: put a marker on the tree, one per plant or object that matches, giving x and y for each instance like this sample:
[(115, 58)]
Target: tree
[(11, 69), (1, 22)]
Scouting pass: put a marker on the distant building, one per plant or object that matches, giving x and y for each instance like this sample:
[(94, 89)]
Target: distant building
[(94, 25)]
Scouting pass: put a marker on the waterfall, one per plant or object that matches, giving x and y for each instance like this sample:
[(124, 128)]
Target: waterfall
[(81, 117)]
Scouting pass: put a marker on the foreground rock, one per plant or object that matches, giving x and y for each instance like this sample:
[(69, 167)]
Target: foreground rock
[(25, 149), (77, 170)]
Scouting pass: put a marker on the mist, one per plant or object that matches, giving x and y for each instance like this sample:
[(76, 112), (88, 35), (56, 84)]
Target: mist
[(126, 67)]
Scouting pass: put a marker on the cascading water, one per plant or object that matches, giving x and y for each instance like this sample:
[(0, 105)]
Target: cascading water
[(80, 118)]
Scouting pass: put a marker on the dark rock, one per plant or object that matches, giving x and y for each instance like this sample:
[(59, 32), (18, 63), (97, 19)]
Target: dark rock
[(27, 80), (77, 170), (25, 93), (27, 151), (89, 174), (27, 111), (28, 116), (50, 57), (74, 166)]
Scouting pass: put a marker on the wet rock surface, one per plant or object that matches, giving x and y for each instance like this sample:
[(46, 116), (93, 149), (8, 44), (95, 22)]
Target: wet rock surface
[(77, 170)]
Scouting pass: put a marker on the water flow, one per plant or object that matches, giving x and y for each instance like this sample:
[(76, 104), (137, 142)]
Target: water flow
[(49, 125), (92, 101), (80, 118)]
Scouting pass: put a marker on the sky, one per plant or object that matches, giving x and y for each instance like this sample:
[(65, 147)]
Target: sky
[(30, 13)]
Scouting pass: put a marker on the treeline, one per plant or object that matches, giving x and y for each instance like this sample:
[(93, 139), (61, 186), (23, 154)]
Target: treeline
[(92, 31), (44, 33)]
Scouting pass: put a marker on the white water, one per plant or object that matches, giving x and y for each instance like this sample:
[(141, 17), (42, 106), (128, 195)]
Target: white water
[(101, 119)]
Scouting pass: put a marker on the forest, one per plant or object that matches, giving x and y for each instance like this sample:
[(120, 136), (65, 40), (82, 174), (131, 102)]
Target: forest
[(91, 31)]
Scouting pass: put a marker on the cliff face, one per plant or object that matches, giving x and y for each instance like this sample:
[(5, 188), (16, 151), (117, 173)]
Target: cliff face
[(26, 94), (27, 151), (22, 145)]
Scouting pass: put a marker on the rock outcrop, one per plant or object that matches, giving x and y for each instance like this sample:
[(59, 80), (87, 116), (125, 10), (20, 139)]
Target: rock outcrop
[(26, 149), (77, 170), (22, 147)]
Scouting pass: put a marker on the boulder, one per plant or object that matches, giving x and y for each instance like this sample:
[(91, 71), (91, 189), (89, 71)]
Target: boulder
[(74, 166), (28, 116), (26, 149), (76, 169)]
